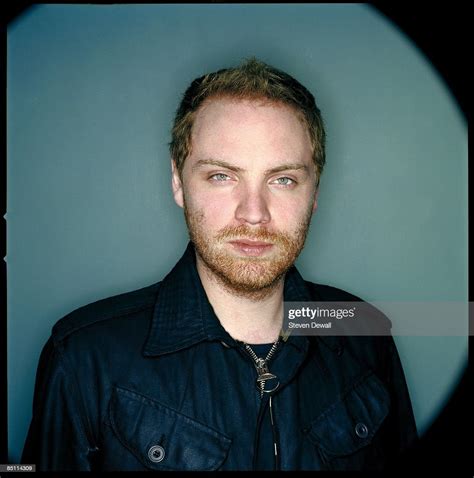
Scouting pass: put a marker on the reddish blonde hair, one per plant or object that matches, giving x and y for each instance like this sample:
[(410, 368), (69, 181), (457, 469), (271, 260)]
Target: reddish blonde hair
[(253, 79)]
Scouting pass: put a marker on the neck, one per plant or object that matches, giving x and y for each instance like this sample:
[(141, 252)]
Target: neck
[(254, 318)]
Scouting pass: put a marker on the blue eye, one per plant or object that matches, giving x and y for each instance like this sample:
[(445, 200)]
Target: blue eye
[(284, 181), (220, 177)]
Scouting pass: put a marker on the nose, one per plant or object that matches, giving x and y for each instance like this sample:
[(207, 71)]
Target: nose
[(252, 207)]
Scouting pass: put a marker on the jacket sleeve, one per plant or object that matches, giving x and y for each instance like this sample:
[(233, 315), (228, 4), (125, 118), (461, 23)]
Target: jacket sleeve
[(57, 438), (403, 433)]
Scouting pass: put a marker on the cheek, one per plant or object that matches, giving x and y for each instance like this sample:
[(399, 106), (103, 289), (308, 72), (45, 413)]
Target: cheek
[(214, 208), (289, 214)]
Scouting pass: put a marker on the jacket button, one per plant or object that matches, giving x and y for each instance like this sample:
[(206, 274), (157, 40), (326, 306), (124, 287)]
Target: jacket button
[(156, 453), (361, 430)]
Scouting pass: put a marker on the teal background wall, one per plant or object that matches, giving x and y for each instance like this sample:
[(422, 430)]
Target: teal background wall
[(92, 90)]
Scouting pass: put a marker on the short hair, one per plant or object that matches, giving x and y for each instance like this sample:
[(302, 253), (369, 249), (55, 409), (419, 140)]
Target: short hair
[(253, 79)]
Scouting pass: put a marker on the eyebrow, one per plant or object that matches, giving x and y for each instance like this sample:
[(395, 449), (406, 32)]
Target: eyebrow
[(225, 164), (287, 167), (216, 162)]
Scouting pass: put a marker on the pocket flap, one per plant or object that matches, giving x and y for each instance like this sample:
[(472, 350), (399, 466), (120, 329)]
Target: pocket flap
[(163, 439), (351, 422)]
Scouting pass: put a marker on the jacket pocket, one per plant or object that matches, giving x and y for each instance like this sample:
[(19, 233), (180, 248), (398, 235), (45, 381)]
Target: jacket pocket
[(163, 439), (345, 432)]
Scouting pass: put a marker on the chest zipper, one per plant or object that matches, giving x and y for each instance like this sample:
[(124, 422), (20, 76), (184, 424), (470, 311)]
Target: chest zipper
[(263, 376), (274, 434)]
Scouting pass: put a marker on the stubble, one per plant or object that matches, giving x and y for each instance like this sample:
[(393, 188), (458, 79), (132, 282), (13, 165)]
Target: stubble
[(251, 277)]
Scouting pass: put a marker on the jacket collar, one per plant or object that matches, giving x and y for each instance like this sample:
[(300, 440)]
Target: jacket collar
[(183, 316)]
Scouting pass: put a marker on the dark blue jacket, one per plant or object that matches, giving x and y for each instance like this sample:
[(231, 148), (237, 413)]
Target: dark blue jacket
[(150, 380)]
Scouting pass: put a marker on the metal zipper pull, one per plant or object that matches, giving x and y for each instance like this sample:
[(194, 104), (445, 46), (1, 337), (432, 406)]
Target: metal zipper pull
[(262, 370), (263, 374)]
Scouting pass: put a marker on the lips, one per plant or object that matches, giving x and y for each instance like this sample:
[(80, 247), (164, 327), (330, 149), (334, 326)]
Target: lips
[(251, 248)]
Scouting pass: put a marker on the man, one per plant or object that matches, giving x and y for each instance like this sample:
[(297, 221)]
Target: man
[(195, 372)]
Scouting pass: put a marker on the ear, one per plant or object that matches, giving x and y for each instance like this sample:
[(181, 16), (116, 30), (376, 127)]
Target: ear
[(315, 204), (176, 185)]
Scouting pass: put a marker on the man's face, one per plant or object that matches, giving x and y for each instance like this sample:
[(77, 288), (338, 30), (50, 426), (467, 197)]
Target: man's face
[(248, 189)]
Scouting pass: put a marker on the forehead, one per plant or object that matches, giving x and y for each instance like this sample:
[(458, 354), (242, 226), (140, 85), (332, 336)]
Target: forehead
[(256, 126)]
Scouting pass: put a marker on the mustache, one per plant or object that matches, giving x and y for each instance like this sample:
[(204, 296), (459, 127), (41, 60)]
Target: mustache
[(244, 231)]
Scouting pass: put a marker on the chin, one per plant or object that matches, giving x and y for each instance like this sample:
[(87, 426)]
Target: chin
[(252, 274)]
